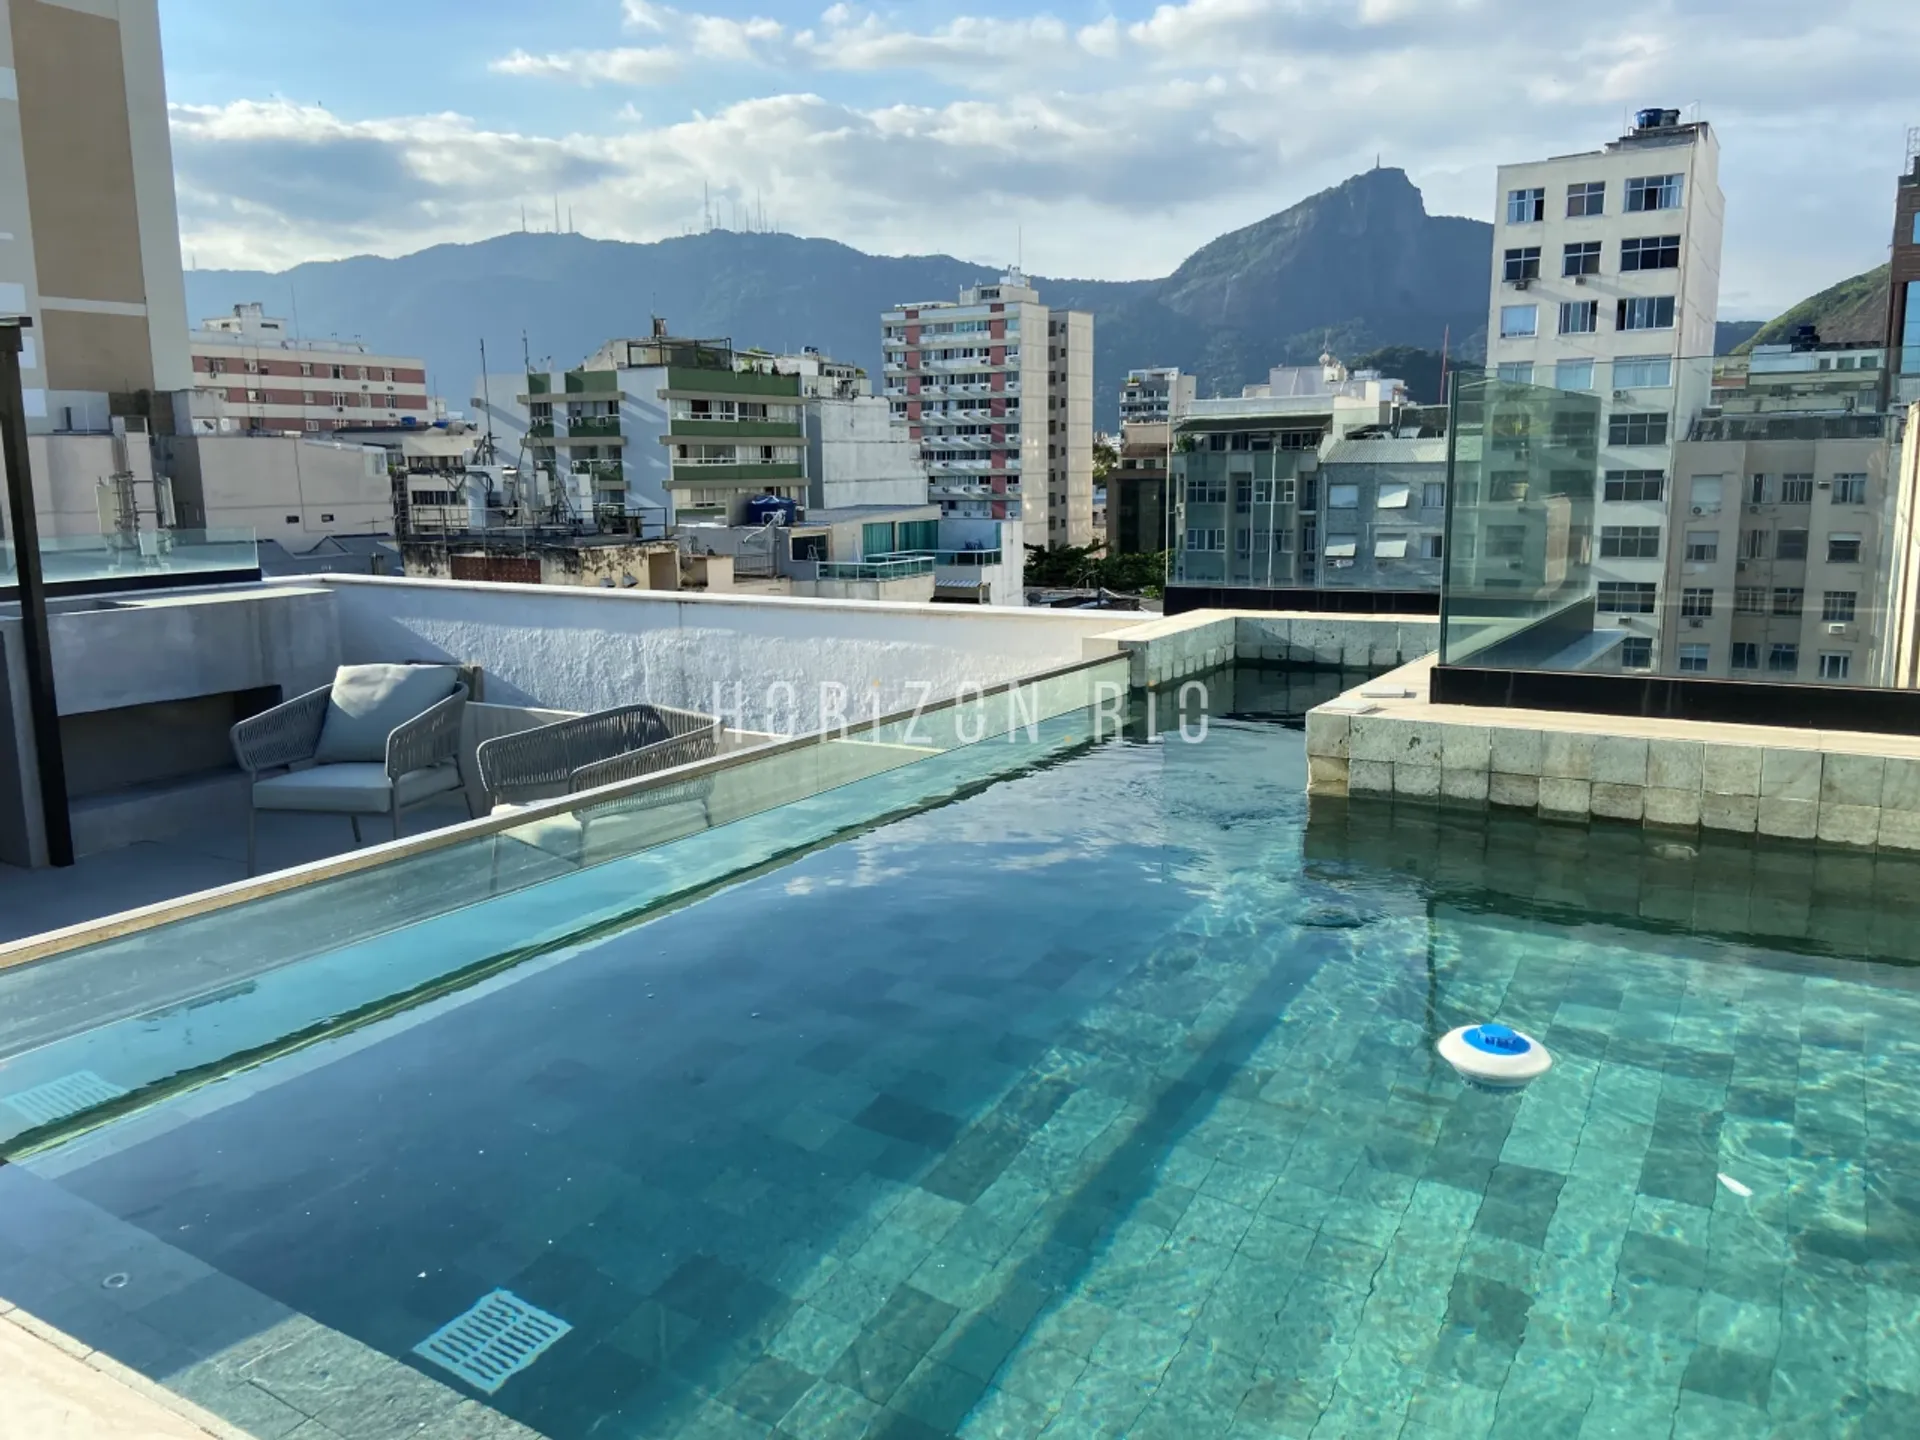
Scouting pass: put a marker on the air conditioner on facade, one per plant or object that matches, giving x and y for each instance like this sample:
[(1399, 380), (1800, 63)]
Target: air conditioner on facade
[(1623, 394), (1522, 283), (1694, 622), (1839, 628), (1699, 509), (1579, 279)]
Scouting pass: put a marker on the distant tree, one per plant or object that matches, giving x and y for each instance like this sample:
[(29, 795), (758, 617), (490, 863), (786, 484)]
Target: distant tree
[(1105, 457), (1065, 566), (1419, 368)]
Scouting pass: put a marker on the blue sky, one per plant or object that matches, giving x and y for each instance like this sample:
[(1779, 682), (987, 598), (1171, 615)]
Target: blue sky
[(1115, 138)]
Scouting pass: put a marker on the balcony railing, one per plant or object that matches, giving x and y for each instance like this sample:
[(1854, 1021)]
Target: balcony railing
[(146, 556), (971, 558), (884, 568)]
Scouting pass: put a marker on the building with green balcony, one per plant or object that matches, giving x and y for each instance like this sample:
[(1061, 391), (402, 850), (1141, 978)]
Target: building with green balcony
[(733, 434)]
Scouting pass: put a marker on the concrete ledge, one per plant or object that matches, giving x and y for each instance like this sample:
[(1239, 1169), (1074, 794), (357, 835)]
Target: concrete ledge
[(53, 1387), (1840, 788)]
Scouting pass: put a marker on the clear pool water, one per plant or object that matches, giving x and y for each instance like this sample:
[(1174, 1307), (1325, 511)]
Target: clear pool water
[(1100, 1102)]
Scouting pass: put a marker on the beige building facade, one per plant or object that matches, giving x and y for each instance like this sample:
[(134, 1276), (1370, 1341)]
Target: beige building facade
[(252, 375), (89, 234)]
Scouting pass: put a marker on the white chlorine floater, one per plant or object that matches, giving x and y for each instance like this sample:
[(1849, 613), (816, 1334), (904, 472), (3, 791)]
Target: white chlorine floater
[(1496, 1056)]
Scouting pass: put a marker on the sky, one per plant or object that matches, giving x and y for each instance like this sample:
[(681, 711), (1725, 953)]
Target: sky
[(1096, 138)]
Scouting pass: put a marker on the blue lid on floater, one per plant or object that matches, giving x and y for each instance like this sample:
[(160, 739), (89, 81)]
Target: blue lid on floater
[(1497, 1040)]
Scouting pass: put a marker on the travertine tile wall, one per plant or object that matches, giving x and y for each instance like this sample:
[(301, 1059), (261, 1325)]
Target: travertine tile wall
[(1169, 650), (1792, 791)]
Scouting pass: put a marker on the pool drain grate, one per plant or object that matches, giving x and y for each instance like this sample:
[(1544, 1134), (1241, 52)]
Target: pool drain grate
[(69, 1095), (494, 1341)]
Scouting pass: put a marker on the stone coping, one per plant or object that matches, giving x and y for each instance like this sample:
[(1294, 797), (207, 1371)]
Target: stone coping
[(1841, 787), (55, 1387)]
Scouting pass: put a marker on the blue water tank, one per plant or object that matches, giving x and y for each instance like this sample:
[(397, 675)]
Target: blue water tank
[(1649, 119), (762, 508)]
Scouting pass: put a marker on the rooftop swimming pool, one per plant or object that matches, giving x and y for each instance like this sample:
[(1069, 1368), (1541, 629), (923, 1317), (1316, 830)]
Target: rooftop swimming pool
[(1089, 1091)]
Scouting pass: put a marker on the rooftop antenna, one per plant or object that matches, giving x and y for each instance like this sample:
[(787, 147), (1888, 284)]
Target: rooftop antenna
[(706, 206), (523, 217), (556, 212), (570, 229)]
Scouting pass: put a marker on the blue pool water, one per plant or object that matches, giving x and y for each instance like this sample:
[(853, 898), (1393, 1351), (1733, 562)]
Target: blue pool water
[(1102, 1101)]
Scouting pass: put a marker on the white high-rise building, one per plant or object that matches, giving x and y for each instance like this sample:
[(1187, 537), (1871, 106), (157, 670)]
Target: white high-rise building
[(998, 390), (1159, 395), (1606, 278)]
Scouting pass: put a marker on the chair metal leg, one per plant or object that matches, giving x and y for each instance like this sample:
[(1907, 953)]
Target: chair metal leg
[(355, 821), (396, 822)]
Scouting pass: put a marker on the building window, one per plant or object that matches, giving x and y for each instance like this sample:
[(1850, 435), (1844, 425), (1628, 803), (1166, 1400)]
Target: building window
[(306, 397), (1837, 606), (1849, 490), (1654, 192), (1636, 652), (1753, 545), (1644, 312), (1389, 545), (1630, 542), (1750, 600), (1625, 597), (1211, 490), (1431, 547), (1343, 497), (1580, 259), (293, 519), (1587, 199), (1203, 538), (1834, 664), (1843, 549), (1745, 655), (1790, 545), (1526, 207), (1783, 659), (1650, 252), (1788, 599), (326, 519), (1433, 495), (1573, 375), (1693, 659), (1634, 427), (1579, 317), (1506, 542), (1706, 491), (1757, 490), (1703, 546), (1635, 485), (1696, 602), (1519, 322), (313, 424), (1643, 372), (1341, 547), (1796, 489), (1522, 263), (1242, 496), (1518, 372)]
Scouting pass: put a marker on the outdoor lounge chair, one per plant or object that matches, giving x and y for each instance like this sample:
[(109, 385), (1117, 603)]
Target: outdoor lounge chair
[(378, 740)]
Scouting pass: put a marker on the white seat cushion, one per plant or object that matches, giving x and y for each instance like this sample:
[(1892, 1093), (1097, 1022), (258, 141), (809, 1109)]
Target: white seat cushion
[(352, 789)]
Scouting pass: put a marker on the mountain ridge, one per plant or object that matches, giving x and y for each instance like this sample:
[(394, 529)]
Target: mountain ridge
[(1355, 267)]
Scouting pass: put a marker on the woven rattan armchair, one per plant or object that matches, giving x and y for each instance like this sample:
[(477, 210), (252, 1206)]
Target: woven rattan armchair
[(277, 749), (588, 751)]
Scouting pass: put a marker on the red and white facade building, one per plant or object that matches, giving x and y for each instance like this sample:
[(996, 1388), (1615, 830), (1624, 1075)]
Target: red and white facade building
[(251, 376), (997, 389)]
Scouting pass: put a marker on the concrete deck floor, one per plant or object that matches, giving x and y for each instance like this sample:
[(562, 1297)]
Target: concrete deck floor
[(212, 852)]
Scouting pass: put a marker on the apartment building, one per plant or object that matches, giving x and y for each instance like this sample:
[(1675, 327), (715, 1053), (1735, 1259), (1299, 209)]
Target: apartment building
[(1606, 276), (1137, 488), (997, 390), (1779, 567), (253, 376), (1254, 522), (1160, 394), (89, 233), (1903, 295)]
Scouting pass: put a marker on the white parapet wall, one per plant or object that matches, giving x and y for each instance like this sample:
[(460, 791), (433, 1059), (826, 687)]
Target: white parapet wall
[(1167, 650), (762, 662), (1385, 739)]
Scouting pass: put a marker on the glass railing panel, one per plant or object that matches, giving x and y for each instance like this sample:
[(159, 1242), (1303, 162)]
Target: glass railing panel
[(141, 557), (185, 1001), (1746, 518)]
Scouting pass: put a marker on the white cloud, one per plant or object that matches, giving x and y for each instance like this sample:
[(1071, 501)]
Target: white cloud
[(627, 65), (1119, 145)]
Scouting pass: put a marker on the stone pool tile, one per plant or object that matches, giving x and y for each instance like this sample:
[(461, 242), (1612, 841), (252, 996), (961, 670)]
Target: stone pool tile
[(1001, 1415), (1237, 1184)]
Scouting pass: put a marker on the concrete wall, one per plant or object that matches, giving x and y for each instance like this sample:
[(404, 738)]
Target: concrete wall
[(588, 649), (280, 487), (857, 456), (141, 649)]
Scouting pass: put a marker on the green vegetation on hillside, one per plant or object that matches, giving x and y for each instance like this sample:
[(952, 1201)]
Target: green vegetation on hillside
[(1855, 309)]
